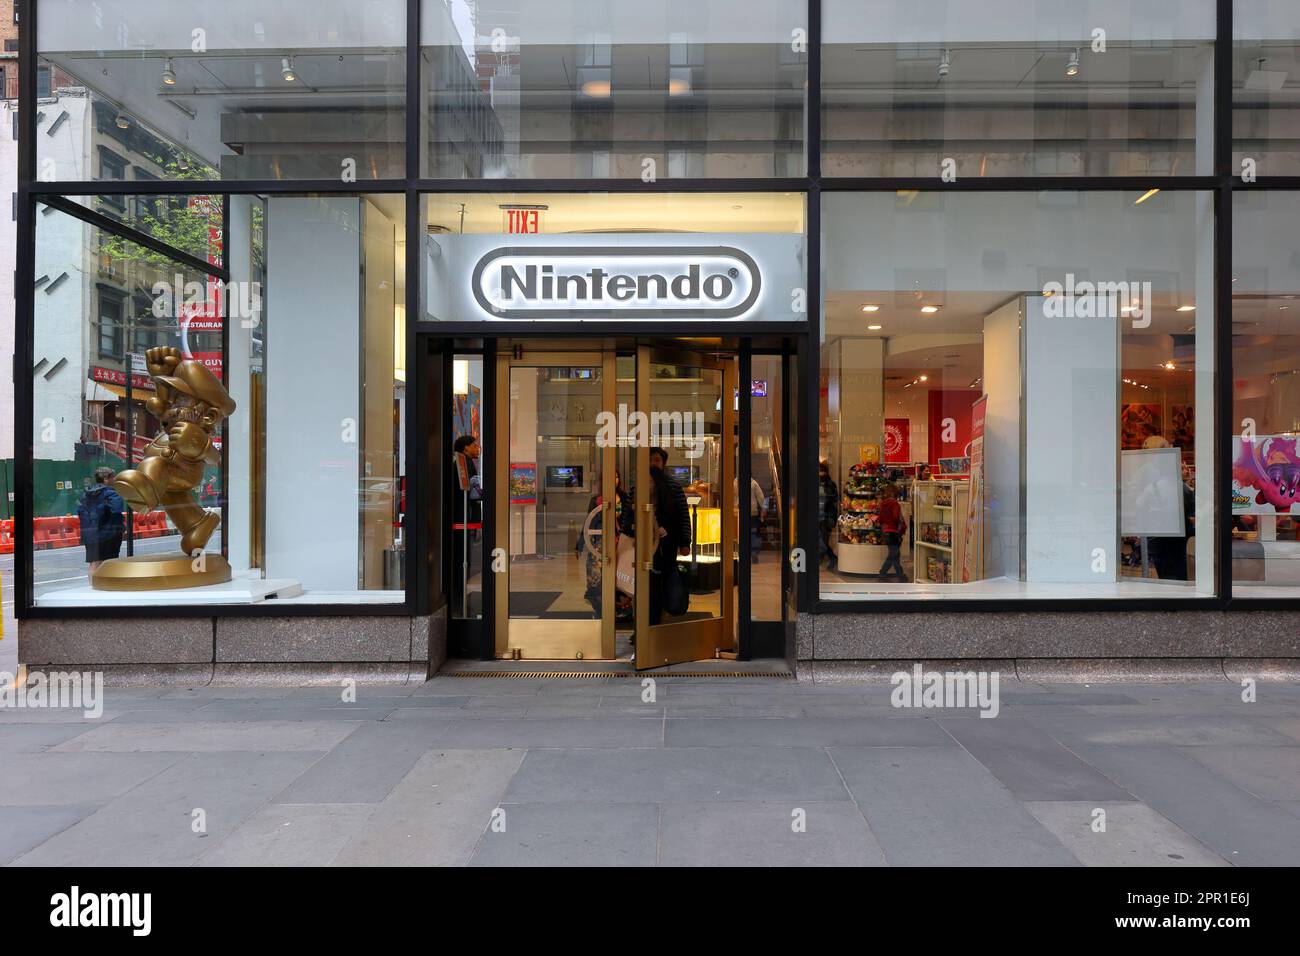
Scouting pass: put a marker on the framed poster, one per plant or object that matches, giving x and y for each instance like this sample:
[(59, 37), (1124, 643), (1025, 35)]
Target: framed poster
[(1265, 475), (523, 483), (898, 441)]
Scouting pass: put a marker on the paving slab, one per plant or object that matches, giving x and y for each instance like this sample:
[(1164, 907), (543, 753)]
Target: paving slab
[(1240, 827), (683, 774), (33, 738), (290, 835), (255, 735), (572, 732), (805, 732), (938, 806), (1134, 835), (550, 834), (752, 833), (366, 765), (155, 822), (1030, 762), (22, 828), (1270, 773), (70, 779), (436, 813), (1139, 730)]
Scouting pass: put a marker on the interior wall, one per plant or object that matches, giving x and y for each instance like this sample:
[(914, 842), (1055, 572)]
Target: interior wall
[(1002, 425), (239, 427), (1071, 447), (313, 457)]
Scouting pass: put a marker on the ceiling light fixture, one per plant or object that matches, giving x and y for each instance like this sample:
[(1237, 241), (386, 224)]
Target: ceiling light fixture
[(924, 378), (597, 88), (169, 74), (874, 328), (929, 309), (123, 121), (1187, 308), (1072, 68), (945, 64), (1145, 196), (871, 308), (286, 69)]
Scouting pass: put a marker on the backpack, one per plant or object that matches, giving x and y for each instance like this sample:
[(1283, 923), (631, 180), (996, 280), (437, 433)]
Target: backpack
[(95, 515)]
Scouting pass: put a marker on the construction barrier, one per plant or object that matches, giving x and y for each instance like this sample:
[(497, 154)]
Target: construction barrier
[(64, 531)]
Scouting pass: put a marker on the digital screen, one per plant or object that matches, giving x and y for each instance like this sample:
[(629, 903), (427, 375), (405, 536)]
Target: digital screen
[(684, 474), (563, 476)]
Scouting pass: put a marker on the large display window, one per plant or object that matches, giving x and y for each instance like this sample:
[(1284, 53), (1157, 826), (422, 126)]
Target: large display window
[(1265, 424), (1017, 88), (613, 89), (238, 415), (1017, 396), (240, 90), (1265, 98)]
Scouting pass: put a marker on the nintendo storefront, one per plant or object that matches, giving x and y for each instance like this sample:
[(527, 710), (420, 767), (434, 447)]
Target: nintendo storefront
[(352, 352)]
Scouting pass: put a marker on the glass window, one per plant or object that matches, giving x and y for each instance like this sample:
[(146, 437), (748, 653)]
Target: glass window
[(244, 91), (1265, 395), (718, 257), (305, 475), (768, 521), (1265, 94), (622, 89), (1017, 395), (1022, 88)]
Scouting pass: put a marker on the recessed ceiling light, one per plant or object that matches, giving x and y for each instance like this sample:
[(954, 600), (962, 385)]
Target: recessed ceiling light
[(924, 378), (597, 88), (679, 86), (1170, 365), (1187, 308), (1145, 196), (871, 308), (929, 309), (874, 328)]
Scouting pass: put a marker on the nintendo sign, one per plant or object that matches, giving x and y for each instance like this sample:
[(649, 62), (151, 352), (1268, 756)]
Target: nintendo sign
[(624, 282)]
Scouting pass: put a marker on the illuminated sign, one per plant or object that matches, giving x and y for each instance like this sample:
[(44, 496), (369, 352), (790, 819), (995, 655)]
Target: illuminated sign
[(634, 282)]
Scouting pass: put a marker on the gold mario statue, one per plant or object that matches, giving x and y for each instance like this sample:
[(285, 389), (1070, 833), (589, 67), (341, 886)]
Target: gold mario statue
[(190, 402)]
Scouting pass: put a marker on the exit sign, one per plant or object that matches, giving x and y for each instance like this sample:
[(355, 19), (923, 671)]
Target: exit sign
[(523, 221)]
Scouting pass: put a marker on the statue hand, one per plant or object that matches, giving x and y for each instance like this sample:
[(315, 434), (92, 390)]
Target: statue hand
[(188, 440)]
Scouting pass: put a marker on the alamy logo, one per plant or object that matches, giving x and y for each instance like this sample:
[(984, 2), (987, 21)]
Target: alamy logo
[(636, 429), (1094, 300), (700, 282), (74, 908), (952, 689), (57, 690)]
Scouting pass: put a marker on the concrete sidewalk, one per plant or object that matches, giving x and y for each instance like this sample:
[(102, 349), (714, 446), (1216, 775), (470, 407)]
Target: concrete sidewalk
[(493, 771)]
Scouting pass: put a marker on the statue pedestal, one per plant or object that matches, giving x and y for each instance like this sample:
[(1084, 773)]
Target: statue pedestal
[(159, 572)]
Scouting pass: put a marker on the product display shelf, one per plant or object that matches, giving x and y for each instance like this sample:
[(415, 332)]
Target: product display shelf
[(860, 546), (939, 529)]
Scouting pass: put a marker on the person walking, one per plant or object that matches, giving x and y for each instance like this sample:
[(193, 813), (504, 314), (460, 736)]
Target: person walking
[(892, 527), (100, 512), (828, 494)]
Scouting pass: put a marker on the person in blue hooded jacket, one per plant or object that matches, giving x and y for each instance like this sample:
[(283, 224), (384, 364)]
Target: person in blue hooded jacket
[(102, 525)]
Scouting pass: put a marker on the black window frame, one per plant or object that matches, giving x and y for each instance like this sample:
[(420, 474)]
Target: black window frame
[(1221, 183)]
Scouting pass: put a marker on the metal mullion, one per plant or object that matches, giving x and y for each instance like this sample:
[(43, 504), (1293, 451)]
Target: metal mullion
[(1223, 405), (813, 101), (589, 186), (1029, 184), (109, 225), (212, 187)]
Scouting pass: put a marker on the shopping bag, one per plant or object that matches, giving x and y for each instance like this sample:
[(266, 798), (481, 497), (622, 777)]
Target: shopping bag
[(625, 565)]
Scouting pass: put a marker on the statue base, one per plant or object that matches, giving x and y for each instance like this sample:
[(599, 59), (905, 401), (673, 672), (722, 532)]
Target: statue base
[(159, 572)]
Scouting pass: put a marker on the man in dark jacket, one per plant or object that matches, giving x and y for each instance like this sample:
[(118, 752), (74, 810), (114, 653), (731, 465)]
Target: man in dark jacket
[(102, 525), (673, 516)]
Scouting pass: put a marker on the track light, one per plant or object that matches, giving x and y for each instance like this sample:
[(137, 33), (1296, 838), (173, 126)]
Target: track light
[(945, 64), (169, 75), (286, 69), (1072, 68)]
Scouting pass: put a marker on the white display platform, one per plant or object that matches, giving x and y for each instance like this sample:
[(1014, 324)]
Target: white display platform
[(241, 590)]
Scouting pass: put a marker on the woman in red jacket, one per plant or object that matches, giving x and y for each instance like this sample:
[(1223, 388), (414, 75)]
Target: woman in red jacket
[(892, 527)]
